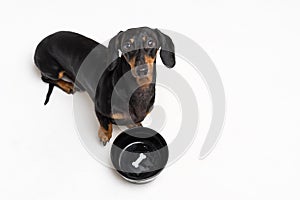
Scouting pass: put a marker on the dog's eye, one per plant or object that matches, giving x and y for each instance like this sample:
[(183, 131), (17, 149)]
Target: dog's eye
[(150, 43), (127, 46)]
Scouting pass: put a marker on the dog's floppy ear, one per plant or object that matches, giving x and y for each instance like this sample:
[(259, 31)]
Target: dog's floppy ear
[(167, 51), (113, 52)]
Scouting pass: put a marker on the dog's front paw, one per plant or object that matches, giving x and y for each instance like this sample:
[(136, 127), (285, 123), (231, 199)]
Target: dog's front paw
[(134, 125), (104, 135)]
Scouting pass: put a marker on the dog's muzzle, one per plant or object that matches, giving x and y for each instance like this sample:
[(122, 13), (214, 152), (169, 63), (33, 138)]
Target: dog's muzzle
[(141, 70)]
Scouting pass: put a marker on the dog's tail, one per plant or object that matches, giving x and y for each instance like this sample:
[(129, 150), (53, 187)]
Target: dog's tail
[(50, 89)]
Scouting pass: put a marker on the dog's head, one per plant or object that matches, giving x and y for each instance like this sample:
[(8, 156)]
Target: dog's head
[(139, 47)]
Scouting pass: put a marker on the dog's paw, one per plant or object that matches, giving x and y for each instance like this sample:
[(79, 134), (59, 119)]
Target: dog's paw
[(104, 136), (134, 125), (66, 86), (69, 87)]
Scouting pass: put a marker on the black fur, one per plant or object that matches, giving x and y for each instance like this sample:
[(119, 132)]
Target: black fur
[(65, 52)]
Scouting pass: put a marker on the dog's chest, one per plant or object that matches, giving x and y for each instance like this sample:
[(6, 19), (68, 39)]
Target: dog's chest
[(140, 102), (134, 108)]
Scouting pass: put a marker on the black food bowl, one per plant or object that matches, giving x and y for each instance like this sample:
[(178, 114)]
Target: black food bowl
[(139, 154)]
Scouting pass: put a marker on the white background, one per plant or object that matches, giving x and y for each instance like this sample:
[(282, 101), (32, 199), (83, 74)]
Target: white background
[(255, 46)]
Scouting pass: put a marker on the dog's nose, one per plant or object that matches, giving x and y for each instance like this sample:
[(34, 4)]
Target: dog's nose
[(141, 70)]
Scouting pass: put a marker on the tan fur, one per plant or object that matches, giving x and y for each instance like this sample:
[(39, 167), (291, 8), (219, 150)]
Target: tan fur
[(134, 125), (65, 86), (132, 62), (105, 135), (117, 116), (61, 74)]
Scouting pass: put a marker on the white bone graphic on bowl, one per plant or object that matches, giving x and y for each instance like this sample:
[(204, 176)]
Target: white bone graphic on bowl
[(139, 160)]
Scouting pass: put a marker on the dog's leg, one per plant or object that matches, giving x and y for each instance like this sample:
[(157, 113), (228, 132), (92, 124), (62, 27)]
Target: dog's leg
[(105, 129), (60, 83), (105, 133), (65, 86)]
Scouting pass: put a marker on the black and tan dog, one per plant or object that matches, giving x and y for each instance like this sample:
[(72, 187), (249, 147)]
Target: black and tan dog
[(61, 55)]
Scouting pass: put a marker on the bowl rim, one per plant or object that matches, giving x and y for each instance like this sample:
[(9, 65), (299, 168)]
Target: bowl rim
[(132, 132)]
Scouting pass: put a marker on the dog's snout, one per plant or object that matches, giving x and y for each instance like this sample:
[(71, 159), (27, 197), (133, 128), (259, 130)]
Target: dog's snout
[(141, 70)]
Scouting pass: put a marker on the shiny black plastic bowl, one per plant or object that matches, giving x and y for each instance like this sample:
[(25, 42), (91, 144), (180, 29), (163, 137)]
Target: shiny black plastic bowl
[(139, 154)]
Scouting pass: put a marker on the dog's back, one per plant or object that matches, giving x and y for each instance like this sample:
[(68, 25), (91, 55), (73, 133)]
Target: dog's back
[(62, 51), (62, 54)]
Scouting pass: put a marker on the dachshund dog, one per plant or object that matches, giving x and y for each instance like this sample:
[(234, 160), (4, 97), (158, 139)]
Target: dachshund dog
[(61, 55)]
